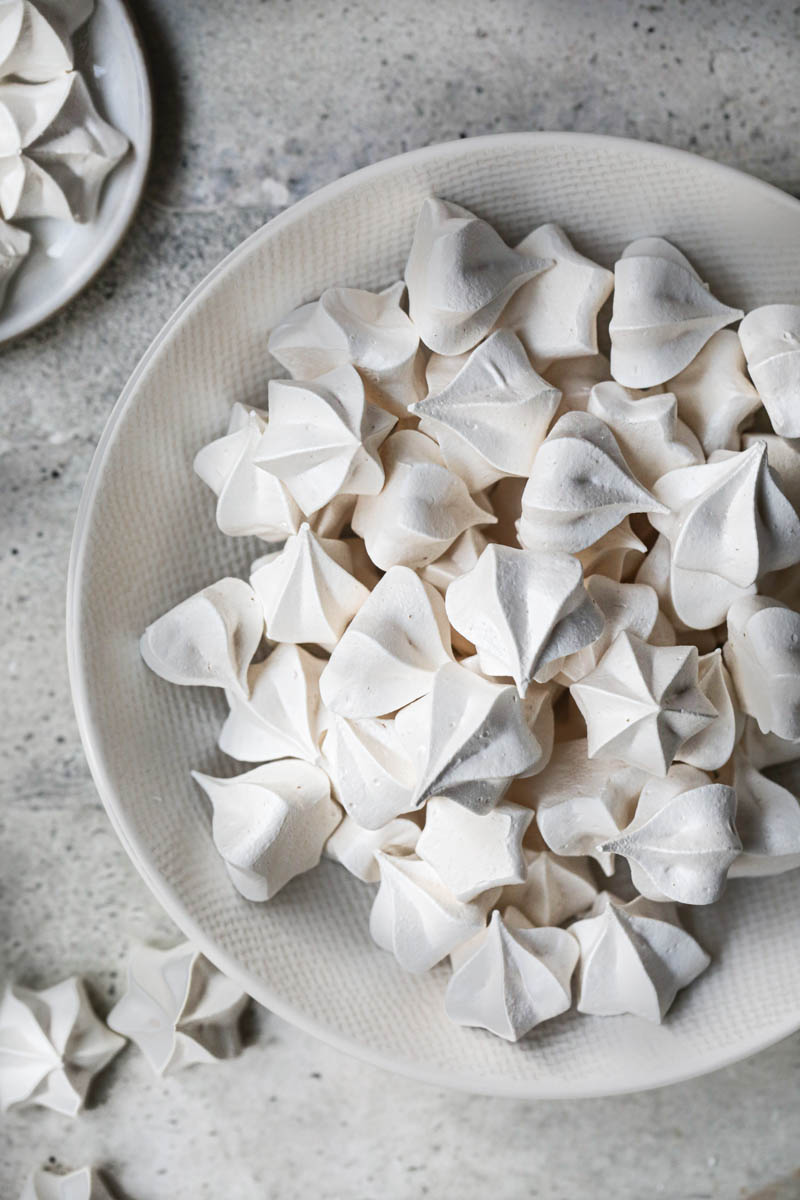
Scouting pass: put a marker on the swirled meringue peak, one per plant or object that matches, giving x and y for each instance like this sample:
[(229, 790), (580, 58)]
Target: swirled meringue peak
[(663, 314), (491, 420), (635, 958), (763, 656), (522, 609), (371, 774), (474, 852), (648, 432), (30, 48), (391, 650), (368, 330), (770, 337), (580, 487), (511, 977), (553, 890), (323, 438), (714, 393), (355, 848), (15, 245), (766, 778), (460, 276), (282, 717)]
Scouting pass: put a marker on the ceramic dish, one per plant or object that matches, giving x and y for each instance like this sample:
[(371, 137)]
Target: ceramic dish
[(146, 538)]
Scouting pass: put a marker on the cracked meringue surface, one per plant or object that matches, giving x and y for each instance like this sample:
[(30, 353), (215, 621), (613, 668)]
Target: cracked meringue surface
[(522, 659)]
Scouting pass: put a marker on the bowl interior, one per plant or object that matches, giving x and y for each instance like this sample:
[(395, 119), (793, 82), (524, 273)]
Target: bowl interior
[(146, 538)]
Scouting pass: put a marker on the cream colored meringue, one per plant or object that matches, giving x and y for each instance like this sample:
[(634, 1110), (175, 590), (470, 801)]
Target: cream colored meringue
[(460, 275), (537, 708), (371, 774), (271, 823), (635, 958), (614, 554), (648, 432), (663, 314), (367, 330), (30, 48), (52, 1044), (422, 508), (763, 656), (323, 438), (491, 419), (770, 337), (15, 245), (456, 560), (714, 393), (642, 702), (282, 716), (765, 776), (178, 1008), (783, 456), (83, 1184), (511, 977), (391, 650), (580, 487), (208, 640), (522, 609), (474, 852), (553, 890), (713, 746), (416, 918), (354, 847), (575, 378)]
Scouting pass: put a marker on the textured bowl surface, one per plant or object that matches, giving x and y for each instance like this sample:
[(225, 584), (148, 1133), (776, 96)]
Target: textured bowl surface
[(146, 538)]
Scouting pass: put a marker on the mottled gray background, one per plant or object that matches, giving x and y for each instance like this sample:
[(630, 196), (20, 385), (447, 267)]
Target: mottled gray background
[(259, 103)]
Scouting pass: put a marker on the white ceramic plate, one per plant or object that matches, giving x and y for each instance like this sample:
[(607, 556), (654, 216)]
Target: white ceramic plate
[(146, 538), (65, 257)]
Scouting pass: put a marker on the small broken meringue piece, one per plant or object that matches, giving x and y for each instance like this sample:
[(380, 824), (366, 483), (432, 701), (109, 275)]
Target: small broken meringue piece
[(83, 1184), (763, 656), (715, 396), (648, 431), (474, 852), (371, 774), (554, 888), (770, 337), (355, 848), (281, 716)]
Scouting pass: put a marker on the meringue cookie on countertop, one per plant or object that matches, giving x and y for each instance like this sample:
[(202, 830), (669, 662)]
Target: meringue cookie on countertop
[(473, 852), (460, 275), (178, 1008), (491, 419), (635, 958), (271, 823), (763, 656), (663, 314), (770, 337), (648, 432), (511, 977), (83, 1184), (553, 890), (282, 717), (715, 396), (15, 245), (52, 1044), (367, 330), (355, 848), (766, 776), (371, 774), (30, 47)]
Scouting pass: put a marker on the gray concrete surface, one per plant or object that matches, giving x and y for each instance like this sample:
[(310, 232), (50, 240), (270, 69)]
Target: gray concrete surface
[(259, 103)]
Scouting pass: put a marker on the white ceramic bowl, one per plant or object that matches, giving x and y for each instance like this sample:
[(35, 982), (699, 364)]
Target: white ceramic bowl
[(146, 538)]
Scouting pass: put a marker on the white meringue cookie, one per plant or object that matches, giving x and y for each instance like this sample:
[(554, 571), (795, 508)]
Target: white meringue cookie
[(30, 48), (354, 847), (52, 1044), (768, 811), (422, 508), (712, 747), (492, 418), (368, 330), (282, 717), (763, 656), (770, 337), (635, 958), (323, 438), (371, 775), (391, 650), (537, 708), (648, 432), (555, 314), (15, 245), (783, 456), (473, 852), (456, 560), (460, 275), (307, 592), (642, 702), (663, 314), (83, 1184), (614, 554), (554, 888), (580, 487), (271, 823), (575, 378), (179, 1009), (632, 607), (416, 918), (511, 977), (714, 393), (468, 739), (208, 640), (522, 609)]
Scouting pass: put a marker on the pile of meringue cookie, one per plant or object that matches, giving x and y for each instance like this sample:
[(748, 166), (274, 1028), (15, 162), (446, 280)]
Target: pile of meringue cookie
[(527, 659)]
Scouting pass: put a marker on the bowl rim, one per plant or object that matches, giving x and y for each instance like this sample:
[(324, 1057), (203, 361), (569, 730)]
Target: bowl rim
[(138, 851)]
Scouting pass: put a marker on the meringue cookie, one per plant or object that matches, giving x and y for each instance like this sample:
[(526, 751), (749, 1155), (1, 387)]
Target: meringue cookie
[(371, 775), (663, 314), (492, 418), (682, 839), (714, 393), (15, 245), (468, 739), (635, 958), (712, 747), (52, 1045), (522, 609), (178, 1008), (422, 508), (554, 889), (763, 656), (648, 432), (767, 814), (642, 702), (460, 275), (271, 823), (391, 650), (307, 592), (30, 48), (416, 918), (511, 977), (473, 852), (580, 487), (770, 337), (366, 330), (208, 640), (355, 847), (575, 378), (83, 1184), (282, 716), (614, 554), (456, 560), (783, 457), (323, 438)]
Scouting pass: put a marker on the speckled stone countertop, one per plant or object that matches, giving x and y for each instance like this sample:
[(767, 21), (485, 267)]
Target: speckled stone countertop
[(258, 104)]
